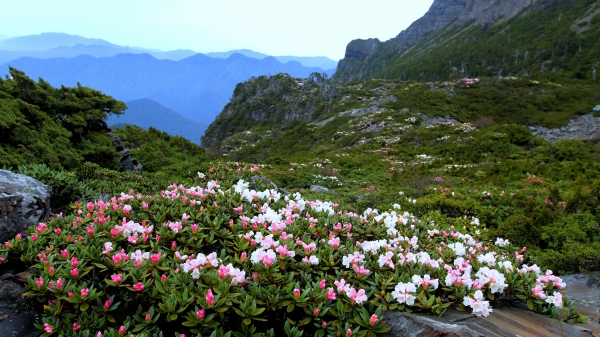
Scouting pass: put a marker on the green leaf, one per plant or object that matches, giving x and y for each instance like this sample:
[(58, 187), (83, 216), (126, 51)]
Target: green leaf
[(84, 306)]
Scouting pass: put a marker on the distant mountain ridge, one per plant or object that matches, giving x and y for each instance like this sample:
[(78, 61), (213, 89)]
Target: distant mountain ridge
[(197, 87), (456, 39), (147, 113), (92, 50), (307, 61), (47, 41), (51, 45)]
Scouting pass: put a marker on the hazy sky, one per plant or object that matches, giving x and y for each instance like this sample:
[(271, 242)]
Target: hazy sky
[(274, 27)]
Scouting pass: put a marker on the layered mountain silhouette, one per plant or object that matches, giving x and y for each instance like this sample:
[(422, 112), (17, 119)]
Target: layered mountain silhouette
[(197, 87), (146, 113)]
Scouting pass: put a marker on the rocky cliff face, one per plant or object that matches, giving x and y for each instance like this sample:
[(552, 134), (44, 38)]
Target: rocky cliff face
[(442, 14)]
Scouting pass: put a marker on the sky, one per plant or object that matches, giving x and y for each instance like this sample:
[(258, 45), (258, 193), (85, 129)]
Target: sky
[(273, 27)]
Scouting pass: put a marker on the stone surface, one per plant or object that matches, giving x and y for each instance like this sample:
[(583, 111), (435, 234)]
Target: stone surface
[(583, 127), (267, 183), (503, 321), (128, 163), (21, 325), (319, 189), (361, 48), (24, 202), (10, 291), (596, 108)]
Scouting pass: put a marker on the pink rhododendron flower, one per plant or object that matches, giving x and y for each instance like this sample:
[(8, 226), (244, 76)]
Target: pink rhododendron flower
[(210, 299), (357, 297), (107, 304), (48, 328), (74, 272), (404, 293), (200, 314), (425, 281), (480, 307), (138, 286), (374, 319), (107, 248), (76, 326), (555, 299), (84, 292), (331, 294)]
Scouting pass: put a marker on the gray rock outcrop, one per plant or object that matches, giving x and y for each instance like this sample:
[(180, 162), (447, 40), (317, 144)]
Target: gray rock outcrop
[(319, 189), (255, 180), (583, 127), (127, 162), (24, 202)]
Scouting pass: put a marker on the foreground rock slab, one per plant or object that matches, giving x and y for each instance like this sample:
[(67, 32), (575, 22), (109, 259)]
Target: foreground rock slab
[(506, 320), (502, 322), (24, 202)]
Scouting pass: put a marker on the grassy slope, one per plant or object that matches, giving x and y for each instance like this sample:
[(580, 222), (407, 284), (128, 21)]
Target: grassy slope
[(552, 44)]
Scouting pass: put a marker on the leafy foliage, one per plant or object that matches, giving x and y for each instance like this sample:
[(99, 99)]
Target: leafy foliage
[(61, 128), (223, 259)]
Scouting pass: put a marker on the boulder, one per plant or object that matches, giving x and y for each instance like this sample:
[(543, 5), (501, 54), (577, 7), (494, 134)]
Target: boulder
[(319, 189), (24, 202), (596, 108), (267, 183)]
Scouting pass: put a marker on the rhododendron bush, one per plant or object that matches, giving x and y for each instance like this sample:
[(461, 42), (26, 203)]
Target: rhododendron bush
[(227, 255)]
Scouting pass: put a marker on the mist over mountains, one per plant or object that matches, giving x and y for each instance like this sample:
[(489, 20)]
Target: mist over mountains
[(197, 87), (147, 113), (194, 85)]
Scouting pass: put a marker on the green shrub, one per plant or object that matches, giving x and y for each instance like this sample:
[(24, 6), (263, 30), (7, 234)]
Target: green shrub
[(221, 258)]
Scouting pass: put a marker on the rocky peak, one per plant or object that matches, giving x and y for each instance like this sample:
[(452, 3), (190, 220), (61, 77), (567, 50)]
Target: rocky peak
[(441, 14), (360, 48)]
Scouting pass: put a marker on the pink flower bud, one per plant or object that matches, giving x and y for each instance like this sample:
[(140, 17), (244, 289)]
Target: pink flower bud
[(349, 332), (148, 318), (74, 272), (76, 326), (107, 304), (374, 319), (296, 292), (210, 298), (122, 330), (138, 286), (84, 292), (244, 256), (317, 311), (200, 314)]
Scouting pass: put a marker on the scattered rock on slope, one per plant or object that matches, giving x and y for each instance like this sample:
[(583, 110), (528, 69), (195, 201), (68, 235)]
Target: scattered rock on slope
[(24, 202)]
